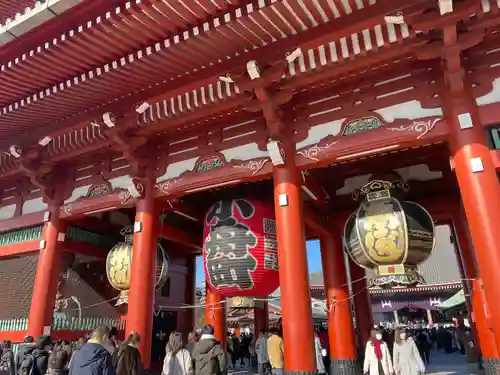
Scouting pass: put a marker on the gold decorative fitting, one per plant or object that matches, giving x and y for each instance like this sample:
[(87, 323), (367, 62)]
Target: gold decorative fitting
[(128, 234), (379, 189)]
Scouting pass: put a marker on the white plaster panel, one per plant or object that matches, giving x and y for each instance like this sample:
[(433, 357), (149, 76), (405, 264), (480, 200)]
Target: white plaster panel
[(122, 182), (7, 212), (33, 205), (493, 96), (78, 192), (318, 132), (176, 169), (419, 172), (244, 152), (411, 110)]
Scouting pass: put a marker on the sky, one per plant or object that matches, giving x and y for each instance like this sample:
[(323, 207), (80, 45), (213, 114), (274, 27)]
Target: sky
[(313, 260)]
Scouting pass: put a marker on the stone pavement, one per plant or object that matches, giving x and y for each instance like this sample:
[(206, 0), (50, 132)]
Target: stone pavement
[(450, 364), (441, 364)]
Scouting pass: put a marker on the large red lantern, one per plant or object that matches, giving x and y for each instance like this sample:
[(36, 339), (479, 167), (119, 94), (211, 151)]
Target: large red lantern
[(240, 249)]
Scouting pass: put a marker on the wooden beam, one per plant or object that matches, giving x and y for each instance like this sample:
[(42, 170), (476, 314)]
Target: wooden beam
[(191, 240), (183, 209), (19, 248), (314, 190), (23, 221), (311, 38), (82, 248), (97, 225)]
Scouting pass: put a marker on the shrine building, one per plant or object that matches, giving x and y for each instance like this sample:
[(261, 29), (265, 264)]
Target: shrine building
[(137, 135)]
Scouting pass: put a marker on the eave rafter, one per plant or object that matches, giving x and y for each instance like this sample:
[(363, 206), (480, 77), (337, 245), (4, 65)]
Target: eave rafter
[(272, 53), (311, 38)]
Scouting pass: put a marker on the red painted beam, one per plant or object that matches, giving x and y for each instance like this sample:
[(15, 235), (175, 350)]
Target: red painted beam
[(24, 221), (20, 248), (86, 11), (322, 34), (184, 210), (314, 190), (181, 237), (69, 246), (85, 249), (97, 225)]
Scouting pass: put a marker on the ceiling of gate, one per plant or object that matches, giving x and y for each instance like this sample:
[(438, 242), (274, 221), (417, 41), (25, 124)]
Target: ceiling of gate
[(163, 50), (160, 49)]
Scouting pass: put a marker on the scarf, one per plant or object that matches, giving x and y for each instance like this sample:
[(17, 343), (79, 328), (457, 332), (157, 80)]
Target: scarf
[(377, 344)]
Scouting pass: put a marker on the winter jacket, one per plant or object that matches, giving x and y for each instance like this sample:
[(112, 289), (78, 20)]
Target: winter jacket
[(275, 352), (180, 364), (209, 357), (22, 351), (371, 363), (92, 359), (129, 361), (407, 360), (34, 359), (261, 349)]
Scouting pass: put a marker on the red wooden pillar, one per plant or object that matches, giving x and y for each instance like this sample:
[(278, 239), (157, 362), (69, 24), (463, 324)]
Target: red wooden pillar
[(340, 327), (215, 313), (480, 191), (143, 275), (47, 274), (476, 303), (261, 318), (297, 322), (362, 304)]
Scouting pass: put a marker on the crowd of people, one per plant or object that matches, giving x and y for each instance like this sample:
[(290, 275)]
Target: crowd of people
[(103, 354), (400, 351)]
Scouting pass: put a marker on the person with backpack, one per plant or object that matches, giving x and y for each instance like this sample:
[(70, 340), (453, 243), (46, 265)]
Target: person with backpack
[(93, 358), (34, 360), (208, 355), (7, 365), (27, 346)]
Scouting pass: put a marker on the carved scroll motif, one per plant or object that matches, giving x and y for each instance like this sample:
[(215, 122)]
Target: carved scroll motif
[(165, 186), (254, 165), (67, 208), (313, 152), (99, 190), (422, 128)]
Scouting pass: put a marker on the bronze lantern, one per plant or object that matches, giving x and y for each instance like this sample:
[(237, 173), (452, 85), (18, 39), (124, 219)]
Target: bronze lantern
[(389, 236), (119, 265)]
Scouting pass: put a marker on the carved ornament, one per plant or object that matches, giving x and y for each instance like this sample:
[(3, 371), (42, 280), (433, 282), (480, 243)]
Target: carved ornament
[(313, 152), (361, 125), (99, 190), (253, 165), (208, 163), (421, 127), (167, 185)]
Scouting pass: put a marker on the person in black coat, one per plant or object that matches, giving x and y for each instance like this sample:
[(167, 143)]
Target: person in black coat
[(93, 358)]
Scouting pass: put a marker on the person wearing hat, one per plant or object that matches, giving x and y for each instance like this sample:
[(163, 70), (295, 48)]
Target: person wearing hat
[(209, 356)]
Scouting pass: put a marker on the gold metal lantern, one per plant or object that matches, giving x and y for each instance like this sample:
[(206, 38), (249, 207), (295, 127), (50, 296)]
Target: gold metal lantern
[(119, 265), (389, 236)]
